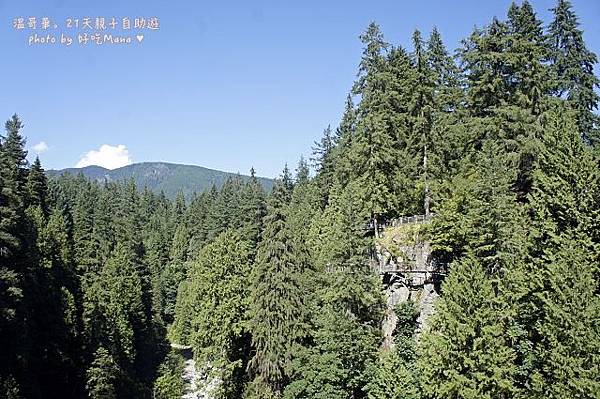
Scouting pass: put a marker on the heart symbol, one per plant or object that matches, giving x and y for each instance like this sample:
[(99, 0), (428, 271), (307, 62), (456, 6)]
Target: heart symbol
[(140, 38)]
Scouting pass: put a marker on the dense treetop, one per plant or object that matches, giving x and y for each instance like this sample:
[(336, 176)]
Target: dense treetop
[(274, 291)]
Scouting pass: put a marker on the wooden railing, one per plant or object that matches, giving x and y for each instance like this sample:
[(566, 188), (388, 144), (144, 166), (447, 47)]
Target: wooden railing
[(402, 220)]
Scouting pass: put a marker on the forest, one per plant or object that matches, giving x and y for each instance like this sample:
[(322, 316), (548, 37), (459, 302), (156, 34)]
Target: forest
[(499, 141)]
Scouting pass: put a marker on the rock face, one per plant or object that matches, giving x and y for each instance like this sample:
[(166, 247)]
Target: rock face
[(189, 380), (408, 272), (197, 383)]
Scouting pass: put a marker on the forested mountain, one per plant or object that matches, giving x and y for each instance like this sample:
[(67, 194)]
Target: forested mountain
[(161, 176), (275, 292)]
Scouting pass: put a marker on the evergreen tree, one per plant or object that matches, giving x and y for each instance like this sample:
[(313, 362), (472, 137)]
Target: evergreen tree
[(484, 59), (566, 344), (372, 155), (302, 172), (37, 186), (253, 209), (169, 384), (276, 305), (421, 110), (445, 74), (84, 237), (527, 53), (53, 315), (393, 380), (14, 262), (322, 150), (324, 161), (102, 376), (116, 319), (573, 68), (174, 272), (562, 214), (448, 141), (466, 353), (347, 311), (344, 135), (219, 297), (399, 362)]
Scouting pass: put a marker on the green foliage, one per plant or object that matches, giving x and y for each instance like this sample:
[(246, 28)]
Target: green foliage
[(277, 312), (276, 295), (573, 65), (467, 354), (372, 153), (399, 364), (334, 366), (102, 376), (562, 259), (217, 304), (37, 186), (346, 312), (169, 383), (393, 379), (567, 347)]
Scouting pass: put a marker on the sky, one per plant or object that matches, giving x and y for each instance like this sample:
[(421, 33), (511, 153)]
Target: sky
[(223, 84)]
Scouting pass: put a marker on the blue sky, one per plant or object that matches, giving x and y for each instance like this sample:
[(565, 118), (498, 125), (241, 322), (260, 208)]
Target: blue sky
[(222, 84)]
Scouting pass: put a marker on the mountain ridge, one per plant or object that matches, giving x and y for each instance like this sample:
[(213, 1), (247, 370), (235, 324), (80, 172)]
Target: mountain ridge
[(161, 176)]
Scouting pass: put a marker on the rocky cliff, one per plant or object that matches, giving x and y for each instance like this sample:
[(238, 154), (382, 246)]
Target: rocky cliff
[(408, 272)]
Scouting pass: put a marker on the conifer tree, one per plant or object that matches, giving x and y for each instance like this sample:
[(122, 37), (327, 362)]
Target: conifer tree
[(253, 209), (527, 53), (37, 186), (573, 68), (276, 306), (103, 229), (566, 344), (174, 272), (13, 257), (508, 87), (446, 75), (484, 59), (421, 111), (302, 172), (344, 135), (562, 214), (84, 237), (324, 161), (102, 376), (347, 311), (466, 353), (116, 319), (219, 299), (169, 384), (372, 153), (448, 135), (399, 363), (322, 149), (53, 314)]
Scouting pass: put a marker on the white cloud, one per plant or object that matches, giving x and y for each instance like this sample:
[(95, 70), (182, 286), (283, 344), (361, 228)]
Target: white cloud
[(107, 156), (40, 147)]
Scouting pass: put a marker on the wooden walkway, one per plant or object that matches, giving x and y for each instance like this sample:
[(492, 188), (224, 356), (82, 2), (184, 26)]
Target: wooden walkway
[(409, 271)]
